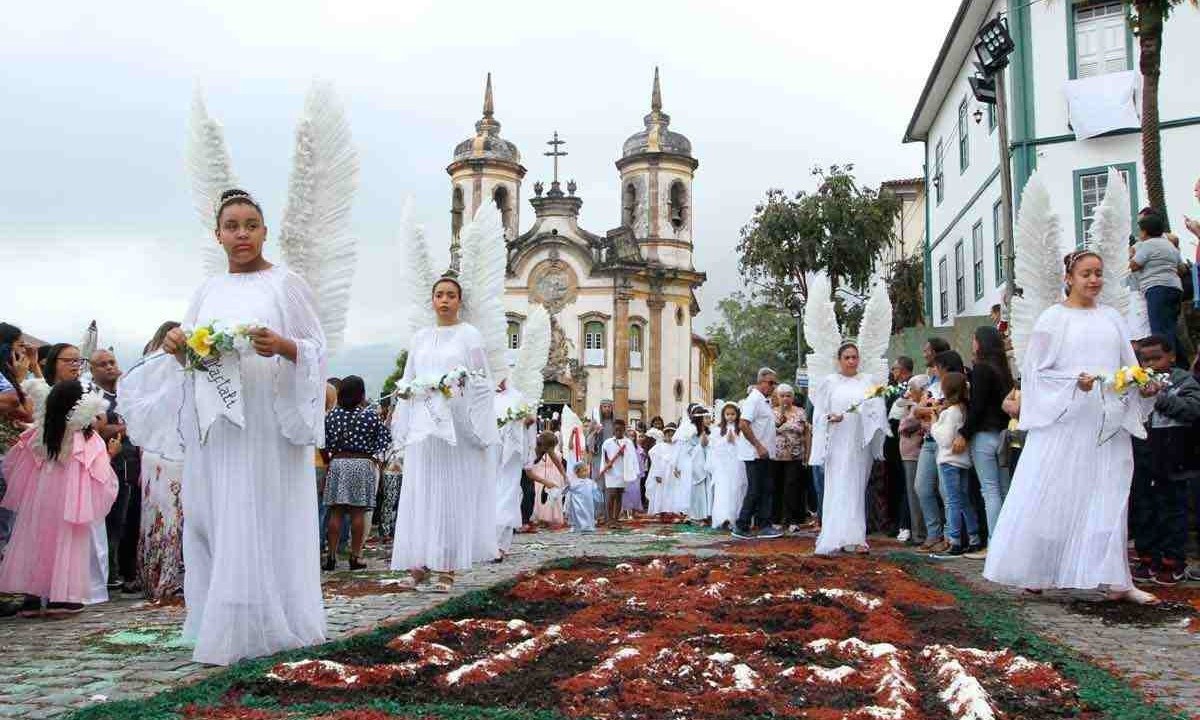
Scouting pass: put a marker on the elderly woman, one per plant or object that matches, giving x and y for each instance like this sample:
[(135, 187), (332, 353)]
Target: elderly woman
[(792, 443)]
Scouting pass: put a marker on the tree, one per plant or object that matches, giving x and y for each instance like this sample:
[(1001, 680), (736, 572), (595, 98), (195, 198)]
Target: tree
[(1149, 16), (751, 334), (840, 228), (389, 385), (904, 283)]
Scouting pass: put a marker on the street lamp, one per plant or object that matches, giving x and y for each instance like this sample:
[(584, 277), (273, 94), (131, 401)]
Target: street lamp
[(993, 45)]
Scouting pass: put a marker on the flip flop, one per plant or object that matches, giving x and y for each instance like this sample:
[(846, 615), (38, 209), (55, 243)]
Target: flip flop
[(1135, 596)]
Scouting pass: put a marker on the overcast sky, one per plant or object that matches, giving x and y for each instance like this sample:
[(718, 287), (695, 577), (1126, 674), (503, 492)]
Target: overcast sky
[(95, 211)]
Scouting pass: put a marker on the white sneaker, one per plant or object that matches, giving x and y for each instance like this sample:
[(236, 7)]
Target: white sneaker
[(904, 535)]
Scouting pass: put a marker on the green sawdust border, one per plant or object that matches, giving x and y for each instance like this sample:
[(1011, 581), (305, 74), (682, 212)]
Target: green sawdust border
[(1097, 688)]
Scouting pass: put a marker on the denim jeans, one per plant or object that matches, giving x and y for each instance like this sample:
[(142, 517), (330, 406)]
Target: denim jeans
[(760, 489), (927, 490), (917, 519), (818, 479), (993, 479), (1162, 303), (958, 505)]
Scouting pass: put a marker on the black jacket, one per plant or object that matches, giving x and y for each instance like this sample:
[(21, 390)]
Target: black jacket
[(1172, 453), (984, 411)]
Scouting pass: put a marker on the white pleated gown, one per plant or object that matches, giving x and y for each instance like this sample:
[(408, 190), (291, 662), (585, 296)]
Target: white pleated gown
[(253, 584), (846, 450), (728, 478), (446, 519), (510, 455), (1063, 521), (660, 481)]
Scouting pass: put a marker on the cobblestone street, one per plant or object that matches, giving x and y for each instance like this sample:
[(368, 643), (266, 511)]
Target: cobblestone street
[(126, 650)]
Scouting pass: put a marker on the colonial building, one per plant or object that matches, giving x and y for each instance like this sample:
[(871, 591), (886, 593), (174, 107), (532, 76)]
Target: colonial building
[(622, 303), (909, 224), (1074, 101)]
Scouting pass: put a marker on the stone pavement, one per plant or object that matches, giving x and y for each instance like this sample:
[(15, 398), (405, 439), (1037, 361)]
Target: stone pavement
[(126, 649)]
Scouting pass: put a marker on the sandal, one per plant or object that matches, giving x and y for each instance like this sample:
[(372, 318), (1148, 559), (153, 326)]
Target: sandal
[(329, 564), (411, 581), (1135, 596), (357, 564), (442, 583)]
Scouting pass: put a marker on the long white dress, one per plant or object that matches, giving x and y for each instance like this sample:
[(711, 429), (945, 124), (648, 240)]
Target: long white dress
[(513, 452), (660, 480), (253, 584), (846, 450), (1063, 521), (446, 519), (692, 485), (728, 474)]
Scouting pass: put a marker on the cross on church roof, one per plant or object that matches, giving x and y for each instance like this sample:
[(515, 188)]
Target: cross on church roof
[(556, 154)]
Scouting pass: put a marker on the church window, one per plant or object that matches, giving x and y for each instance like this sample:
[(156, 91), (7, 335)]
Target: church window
[(678, 390), (514, 335), (677, 206), (629, 206), (500, 196), (635, 347), (593, 343), (456, 211), (679, 316)]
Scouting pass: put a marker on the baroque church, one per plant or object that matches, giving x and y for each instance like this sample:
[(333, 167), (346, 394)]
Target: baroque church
[(622, 303)]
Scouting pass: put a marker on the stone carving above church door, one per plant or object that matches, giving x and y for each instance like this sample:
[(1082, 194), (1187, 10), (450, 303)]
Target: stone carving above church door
[(554, 284)]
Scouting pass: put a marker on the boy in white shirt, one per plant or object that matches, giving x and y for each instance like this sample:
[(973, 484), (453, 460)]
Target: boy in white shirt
[(618, 464)]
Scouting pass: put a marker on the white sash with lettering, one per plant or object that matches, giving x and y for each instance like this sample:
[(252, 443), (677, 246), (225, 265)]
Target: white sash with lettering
[(218, 392)]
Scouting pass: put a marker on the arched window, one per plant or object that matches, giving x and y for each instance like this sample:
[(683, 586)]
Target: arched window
[(593, 343), (500, 197), (635, 347), (456, 211), (677, 205), (629, 206), (514, 335)]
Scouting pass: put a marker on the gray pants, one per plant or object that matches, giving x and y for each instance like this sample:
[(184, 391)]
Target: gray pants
[(917, 518)]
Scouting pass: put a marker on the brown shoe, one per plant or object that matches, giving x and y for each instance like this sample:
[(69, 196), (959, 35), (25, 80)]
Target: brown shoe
[(930, 544), (940, 546)]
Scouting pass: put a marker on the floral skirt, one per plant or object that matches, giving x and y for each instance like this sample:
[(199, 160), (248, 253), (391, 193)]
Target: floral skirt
[(351, 481), (162, 527), (389, 497)]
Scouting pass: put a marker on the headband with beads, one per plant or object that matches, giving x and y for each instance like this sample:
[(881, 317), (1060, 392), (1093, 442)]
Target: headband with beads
[(1085, 250), (239, 196)]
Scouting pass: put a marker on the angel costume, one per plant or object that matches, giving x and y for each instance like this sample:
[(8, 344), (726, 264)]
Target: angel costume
[(660, 482), (728, 477), (446, 519), (846, 450), (57, 503), (509, 456), (1063, 522), (693, 483), (253, 583)]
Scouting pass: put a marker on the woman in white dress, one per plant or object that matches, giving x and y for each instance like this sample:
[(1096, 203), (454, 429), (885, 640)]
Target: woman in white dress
[(1063, 522), (728, 470), (509, 456), (692, 481), (253, 583), (845, 442), (446, 519)]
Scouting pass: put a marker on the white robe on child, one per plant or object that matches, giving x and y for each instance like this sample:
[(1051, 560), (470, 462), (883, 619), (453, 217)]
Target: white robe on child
[(660, 481), (728, 474), (509, 456)]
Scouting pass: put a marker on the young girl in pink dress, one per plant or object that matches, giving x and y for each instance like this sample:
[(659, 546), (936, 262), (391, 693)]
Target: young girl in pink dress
[(549, 478), (59, 483)]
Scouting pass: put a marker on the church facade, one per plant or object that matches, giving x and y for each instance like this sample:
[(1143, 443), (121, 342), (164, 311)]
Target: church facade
[(622, 303)]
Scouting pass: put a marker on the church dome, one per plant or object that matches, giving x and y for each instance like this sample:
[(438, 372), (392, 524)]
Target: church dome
[(487, 144), (657, 137)]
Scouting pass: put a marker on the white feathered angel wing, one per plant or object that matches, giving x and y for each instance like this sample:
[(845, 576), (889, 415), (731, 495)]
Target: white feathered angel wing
[(875, 333), (315, 236), (484, 260), (533, 355), (1037, 263), (211, 171), (418, 275), (820, 327), (1109, 234)]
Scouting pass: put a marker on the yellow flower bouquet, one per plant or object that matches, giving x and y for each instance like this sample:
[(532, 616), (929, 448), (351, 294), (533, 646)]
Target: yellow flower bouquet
[(879, 391), (1130, 377), (211, 340)]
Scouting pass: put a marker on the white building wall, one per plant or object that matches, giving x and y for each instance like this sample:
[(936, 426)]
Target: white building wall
[(969, 196)]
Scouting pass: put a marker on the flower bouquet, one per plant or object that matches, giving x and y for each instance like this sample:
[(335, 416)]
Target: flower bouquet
[(879, 391), (520, 412), (1133, 376), (446, 384), (206, 342)]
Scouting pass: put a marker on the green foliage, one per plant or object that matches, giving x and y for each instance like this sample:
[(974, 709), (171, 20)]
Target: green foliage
[(905, 288), (751, 333), (840, 228), (390, 383)]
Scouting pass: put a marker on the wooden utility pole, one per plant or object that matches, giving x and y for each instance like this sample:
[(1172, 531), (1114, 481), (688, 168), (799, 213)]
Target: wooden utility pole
[(1006, 189)]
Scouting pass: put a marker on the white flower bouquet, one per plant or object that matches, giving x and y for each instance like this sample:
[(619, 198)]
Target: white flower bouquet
[(446, 385)]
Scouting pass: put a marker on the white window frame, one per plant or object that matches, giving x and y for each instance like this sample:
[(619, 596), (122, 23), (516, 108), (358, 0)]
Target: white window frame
[(594, 343), (960, 279), (943, 290)]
